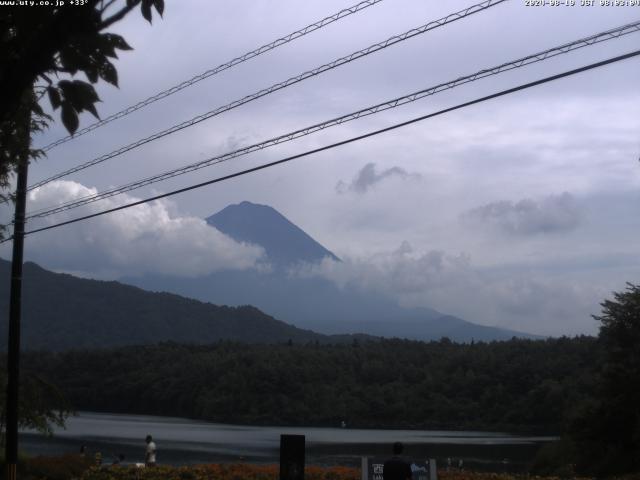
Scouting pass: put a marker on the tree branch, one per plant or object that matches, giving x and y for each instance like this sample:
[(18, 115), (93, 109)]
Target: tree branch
[(104, 8), (118, 16)]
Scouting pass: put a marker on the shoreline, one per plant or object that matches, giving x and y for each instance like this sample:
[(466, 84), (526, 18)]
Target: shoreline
[(186, 442)]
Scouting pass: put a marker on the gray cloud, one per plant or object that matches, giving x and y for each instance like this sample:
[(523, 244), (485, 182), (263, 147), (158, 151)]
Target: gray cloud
[(552, 214), (367, 177), (539, 302)]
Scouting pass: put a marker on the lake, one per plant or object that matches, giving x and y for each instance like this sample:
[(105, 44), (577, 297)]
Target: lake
[(182, 441)]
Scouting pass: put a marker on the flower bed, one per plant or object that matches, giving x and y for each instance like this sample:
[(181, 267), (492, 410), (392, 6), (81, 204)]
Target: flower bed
[(216, 472), (72, 467)]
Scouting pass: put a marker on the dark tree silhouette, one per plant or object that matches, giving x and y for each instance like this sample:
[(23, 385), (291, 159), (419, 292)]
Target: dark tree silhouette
[(607, 433), (38, 45)]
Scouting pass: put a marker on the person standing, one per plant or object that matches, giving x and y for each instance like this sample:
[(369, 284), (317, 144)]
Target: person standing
[(150, 455), (396, 468)]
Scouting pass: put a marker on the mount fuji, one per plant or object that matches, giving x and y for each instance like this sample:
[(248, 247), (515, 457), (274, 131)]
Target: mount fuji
[(311, 302)]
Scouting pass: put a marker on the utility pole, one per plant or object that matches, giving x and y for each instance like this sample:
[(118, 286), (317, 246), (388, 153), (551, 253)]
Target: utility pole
[(15, 304)]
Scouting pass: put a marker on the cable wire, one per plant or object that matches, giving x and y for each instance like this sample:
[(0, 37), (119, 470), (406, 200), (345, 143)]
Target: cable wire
[(343, 142), (279, 86), (220, 68), (396, 102)]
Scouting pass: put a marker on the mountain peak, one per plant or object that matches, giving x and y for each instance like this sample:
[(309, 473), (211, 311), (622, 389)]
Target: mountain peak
[(245, 204), (284, 242)]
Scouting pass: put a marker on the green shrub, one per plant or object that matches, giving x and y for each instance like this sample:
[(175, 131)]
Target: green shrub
[(554, 459), (63, 467)]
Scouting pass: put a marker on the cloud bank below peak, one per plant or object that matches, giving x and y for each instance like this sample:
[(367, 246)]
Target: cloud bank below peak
[(148, 238), (536, 301)]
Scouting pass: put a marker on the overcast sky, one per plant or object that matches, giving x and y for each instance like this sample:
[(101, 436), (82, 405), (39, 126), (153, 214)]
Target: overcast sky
[(520, 212)]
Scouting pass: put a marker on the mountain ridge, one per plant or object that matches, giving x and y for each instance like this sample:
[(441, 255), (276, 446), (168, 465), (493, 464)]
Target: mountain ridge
[(61, 312), (315, 303)]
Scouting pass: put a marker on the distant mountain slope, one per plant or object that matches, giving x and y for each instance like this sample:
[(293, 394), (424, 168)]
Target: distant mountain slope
[(318, 304), (310, 302), (61, 312), (284, 243)]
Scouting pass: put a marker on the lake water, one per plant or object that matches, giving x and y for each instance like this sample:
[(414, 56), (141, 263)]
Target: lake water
[(183, 441)]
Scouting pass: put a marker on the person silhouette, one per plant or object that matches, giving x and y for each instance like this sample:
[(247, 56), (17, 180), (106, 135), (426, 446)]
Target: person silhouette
[(396, 468), (150, 453)]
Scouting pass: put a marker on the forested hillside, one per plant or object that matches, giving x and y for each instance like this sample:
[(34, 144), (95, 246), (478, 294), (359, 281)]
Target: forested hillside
[(62, 311), (516, 385)]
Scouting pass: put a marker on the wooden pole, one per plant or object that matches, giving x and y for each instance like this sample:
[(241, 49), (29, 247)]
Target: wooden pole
[(15, 304)]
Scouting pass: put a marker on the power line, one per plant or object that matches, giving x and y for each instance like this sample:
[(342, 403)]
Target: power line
[(396, 102), (279, 86), (343, 142), (220, 68)]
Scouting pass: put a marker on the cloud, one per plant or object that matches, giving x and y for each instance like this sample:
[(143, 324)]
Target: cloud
[(538, 302), (399, 272), (367, 177), (552, 214), (148, 238)]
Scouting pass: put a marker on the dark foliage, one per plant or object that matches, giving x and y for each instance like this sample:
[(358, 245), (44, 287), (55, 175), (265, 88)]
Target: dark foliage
[(42, 406), (40, 44), (62, 312), (555, 459), (606, 430), (517, 385), (63, 467)]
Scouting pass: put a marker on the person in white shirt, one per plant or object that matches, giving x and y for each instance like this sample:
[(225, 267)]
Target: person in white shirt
[(150, 455)]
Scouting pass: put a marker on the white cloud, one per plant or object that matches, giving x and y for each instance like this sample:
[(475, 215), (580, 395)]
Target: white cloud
[(143, 239), (399, 272)]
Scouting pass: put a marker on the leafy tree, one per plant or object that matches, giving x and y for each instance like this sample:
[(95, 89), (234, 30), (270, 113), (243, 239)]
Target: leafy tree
[(15, 135), (608, 430), (41, 43), (37, 46), (42, 404)]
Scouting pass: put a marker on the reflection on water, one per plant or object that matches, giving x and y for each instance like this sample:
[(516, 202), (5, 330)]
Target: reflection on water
[(182, 441)]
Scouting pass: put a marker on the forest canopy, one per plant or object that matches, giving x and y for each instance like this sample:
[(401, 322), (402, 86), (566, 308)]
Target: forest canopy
[(515, 385)]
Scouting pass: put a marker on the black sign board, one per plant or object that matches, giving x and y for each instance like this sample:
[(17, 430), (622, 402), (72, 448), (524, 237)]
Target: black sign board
[(291, 457)]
